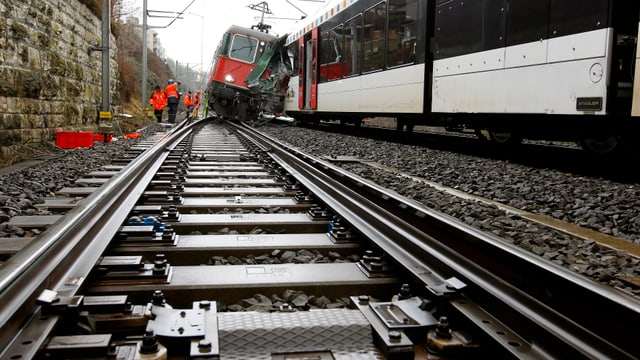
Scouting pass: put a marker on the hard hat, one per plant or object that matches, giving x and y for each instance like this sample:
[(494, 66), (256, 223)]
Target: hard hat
[(170, 81)]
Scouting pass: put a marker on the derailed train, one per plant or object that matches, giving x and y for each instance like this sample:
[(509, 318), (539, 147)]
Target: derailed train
[(249, 74), (506, 69)]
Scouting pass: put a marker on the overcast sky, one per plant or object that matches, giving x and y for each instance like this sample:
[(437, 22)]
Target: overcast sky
[(193, 39)]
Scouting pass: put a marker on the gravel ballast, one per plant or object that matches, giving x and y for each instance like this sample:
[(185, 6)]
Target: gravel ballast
[(602, 205)]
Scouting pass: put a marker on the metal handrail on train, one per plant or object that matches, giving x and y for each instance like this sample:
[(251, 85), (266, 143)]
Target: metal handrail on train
[(60, 259), (428, 260)]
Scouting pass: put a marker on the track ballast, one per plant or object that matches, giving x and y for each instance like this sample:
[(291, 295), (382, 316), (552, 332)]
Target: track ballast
[(183, 250)]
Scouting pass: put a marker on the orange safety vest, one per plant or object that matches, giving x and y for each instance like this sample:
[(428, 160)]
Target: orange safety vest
[(187, 101), (158, 100), (172, 91), (196, 99)]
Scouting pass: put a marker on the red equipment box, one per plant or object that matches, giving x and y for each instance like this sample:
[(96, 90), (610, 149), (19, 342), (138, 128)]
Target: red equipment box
[(100, 137), (74, 139)]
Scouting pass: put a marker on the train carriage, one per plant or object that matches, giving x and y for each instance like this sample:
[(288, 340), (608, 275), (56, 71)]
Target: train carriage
[(509, 69)]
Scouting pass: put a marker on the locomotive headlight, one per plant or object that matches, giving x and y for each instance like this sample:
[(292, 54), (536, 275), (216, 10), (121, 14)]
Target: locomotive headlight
[(229, 78)]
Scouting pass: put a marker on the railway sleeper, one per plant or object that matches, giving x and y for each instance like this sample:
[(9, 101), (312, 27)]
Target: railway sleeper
[(404, 328), (168, 323), (203, 249)]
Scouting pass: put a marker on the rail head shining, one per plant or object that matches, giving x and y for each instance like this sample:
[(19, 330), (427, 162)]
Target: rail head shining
[(364, 205), (61, 258)]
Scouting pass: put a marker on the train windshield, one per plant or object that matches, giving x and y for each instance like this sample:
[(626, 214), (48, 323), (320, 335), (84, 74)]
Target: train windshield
[(243, 48)]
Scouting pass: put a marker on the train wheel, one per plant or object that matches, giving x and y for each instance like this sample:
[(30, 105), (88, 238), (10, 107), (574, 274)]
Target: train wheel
[(631, 144), (221, 110), (601, 145), (482, 134), (246, 113), (505, 138), (410, 127)]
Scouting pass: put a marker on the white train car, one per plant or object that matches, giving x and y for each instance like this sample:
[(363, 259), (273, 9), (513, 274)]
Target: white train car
[(352, 64), (512, 69)]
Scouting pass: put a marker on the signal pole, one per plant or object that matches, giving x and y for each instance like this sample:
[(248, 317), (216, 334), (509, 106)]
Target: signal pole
[(144, 55)]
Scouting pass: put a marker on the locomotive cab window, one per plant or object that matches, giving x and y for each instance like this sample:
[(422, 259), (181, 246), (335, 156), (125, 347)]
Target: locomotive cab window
[(243, 48), (223, 48)]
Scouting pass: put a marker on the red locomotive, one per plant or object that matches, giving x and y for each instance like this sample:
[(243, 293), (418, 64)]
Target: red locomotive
[(249, 75)]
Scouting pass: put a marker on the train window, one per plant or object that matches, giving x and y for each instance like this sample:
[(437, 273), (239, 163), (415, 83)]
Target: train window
[(223, 48), (243, 48), (574, 16), (330, 55), (528, 21), (352, 46), (401, 36), (464, 27), (325, 54), (494, 25), (292, 52), (458, 29), (374, 38)]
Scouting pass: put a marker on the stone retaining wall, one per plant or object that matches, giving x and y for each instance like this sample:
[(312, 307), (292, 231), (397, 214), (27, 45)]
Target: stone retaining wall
[(48, 78)]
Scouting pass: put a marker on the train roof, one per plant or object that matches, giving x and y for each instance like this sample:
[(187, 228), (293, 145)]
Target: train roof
[(329, 10), (251, 32)]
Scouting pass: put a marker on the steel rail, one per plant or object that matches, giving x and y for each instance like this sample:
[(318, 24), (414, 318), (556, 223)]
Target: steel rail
[(551, 334), (61, 258)]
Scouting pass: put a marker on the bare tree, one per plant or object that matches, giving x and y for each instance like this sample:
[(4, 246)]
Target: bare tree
[(121, 9)]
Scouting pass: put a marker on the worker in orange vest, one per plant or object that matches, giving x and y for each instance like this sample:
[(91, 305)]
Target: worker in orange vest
[(158, 100), (173, 99), (196, 102), (188, 103)]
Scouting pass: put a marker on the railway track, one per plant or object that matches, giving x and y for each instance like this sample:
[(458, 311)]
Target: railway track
[(169, 241)]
